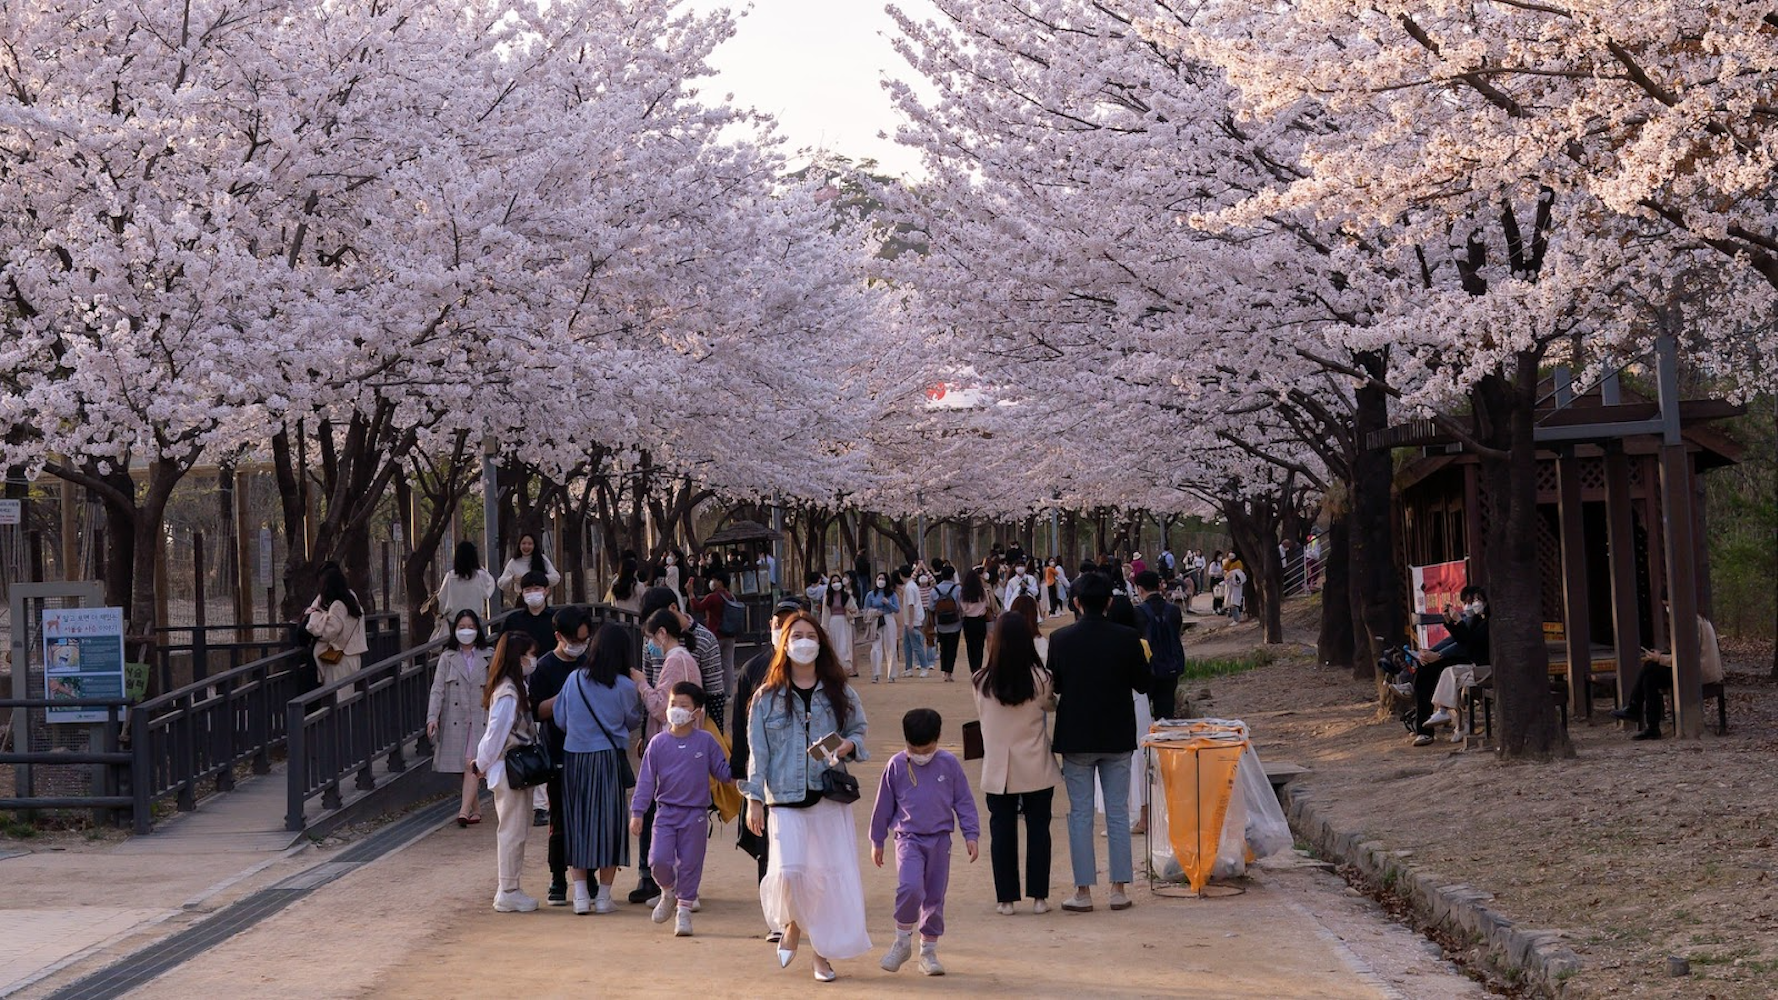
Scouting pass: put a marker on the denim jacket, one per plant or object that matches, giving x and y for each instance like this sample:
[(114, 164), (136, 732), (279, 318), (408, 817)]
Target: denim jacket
[(779, 768)]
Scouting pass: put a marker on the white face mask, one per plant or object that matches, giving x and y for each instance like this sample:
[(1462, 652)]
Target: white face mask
[(534, 599), (922, 759), (466, 636), (528, 664), (804, 651), (575, 650), (677, 716)]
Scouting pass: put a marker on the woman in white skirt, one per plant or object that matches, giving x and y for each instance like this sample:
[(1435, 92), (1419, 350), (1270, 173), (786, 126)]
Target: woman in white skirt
[(838, 609), (812, 885)]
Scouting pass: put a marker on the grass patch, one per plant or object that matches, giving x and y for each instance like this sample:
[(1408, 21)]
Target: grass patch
[(12, 826), (1203, 669)]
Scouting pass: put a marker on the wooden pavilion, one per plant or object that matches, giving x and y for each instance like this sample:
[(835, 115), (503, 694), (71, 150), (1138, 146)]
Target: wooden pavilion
[(1601, 491)]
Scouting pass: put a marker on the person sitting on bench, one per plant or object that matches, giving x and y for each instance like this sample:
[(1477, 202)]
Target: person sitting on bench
[(1468, 643), (1646, 701)]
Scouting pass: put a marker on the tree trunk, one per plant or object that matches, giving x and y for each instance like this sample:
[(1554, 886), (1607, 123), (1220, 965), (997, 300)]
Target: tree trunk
[(1336, 644), (1254, 525), (120, 540), (1374, 578), (1528, 722)]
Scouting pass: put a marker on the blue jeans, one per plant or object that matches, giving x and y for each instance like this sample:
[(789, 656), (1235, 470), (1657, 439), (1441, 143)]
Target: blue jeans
[(1113, 770), (913, 650)]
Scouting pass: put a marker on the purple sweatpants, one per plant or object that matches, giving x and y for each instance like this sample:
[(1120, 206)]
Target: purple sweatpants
[(923, 866), (676, 854)]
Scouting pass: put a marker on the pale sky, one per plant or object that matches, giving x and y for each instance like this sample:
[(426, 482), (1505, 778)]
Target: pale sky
[(816, 66)]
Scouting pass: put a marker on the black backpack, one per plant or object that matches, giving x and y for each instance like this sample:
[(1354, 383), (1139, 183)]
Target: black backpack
[(1166, 657), (945, 610)]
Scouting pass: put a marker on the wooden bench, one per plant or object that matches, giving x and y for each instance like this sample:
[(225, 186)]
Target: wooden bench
[(1482, 692), (1609, 680)]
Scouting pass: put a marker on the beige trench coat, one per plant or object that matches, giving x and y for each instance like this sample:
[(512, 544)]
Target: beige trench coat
[(456, 705), (1016, 744)]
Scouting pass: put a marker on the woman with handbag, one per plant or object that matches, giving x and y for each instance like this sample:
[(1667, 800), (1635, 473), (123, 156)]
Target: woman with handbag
[(509, 726), (1019, 773), (812, 885), (336, 620), (455, 715), (597, 709)]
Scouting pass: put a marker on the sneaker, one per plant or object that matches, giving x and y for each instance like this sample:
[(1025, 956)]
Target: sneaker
[(583, 903), (1624, 714), (1438, 718), (874, 678), (899, 953), (1004, 909), (603, 904), (1458, 736), (1422, 740), (697, 906), (682, 923), (558, 894), (1080, 902), (645, 892), (663, 909), (1119, 901), (514, 902), (929, 964), (540, 817), (1040, 906)]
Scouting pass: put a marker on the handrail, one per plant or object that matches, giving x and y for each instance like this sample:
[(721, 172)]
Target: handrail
[(209, 727), (340, 730), (113, 759)]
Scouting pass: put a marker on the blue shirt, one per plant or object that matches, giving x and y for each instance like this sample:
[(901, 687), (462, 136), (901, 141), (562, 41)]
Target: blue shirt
[(619, 710)]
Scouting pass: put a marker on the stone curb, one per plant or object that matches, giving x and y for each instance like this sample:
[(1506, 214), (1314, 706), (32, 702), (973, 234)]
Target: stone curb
[(1535, 958)]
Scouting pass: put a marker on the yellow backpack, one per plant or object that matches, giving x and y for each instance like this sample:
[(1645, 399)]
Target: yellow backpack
[(724, 796)]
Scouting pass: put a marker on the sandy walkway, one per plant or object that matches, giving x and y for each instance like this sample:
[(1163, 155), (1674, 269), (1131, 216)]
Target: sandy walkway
[(417, 924)]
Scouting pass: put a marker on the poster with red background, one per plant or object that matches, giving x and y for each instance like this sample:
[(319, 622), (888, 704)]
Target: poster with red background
[(1436, 586)]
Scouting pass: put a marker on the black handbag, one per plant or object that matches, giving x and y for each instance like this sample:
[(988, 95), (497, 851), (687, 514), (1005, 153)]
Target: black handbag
[(528, 765), (626, 774), (838, 785)]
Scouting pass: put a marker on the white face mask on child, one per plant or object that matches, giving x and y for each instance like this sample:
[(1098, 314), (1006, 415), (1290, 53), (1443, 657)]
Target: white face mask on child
[(677, 716), (922, 759)]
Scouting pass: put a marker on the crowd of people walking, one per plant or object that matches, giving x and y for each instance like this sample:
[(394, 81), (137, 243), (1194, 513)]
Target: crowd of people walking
[(646, 743)]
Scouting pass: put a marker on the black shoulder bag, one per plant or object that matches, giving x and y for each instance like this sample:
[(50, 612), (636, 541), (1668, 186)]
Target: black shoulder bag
[(626, 774), (836, 783)]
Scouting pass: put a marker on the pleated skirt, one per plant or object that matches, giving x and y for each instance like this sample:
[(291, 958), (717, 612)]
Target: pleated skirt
[(598, 829)]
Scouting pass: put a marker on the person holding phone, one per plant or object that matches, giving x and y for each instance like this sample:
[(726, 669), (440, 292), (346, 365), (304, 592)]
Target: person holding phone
[(804, 720)]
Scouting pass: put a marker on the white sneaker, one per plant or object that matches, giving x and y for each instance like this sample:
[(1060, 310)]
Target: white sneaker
[(899, 953), (663, 908), (929, 961), (513, 902), (1438, 718), (1004, 909), (1040, 906), (583, 903), (682, 923), (1422, 740), (602, 903)]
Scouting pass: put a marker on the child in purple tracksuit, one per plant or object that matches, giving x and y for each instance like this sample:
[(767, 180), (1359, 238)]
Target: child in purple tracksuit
[(675, 776), (923, 787)]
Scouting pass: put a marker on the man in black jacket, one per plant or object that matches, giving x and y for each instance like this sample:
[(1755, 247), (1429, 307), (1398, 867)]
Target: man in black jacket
[(1162, 625), (747, 682), (1096, 664)]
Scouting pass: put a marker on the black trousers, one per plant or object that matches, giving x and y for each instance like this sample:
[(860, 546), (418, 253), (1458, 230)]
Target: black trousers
[(1055, 600), (558, 830), (643, 841), (975, 637), (1425, 683), (1163, 693), (947, 651), (1647, 695), (1003, 843)]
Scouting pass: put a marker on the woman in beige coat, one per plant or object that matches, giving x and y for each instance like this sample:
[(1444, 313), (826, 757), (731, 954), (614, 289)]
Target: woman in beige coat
[(1019, 773), (336, 620), (455, 717)]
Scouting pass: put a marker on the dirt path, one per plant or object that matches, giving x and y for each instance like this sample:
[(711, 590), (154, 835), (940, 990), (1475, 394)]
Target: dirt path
[(1634, 851), (417, 924)]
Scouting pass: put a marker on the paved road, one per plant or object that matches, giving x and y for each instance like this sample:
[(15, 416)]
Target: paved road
[(417, 924)]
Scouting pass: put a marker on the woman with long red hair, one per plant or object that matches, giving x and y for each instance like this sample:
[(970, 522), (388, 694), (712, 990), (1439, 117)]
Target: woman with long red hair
[(812, 885)]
